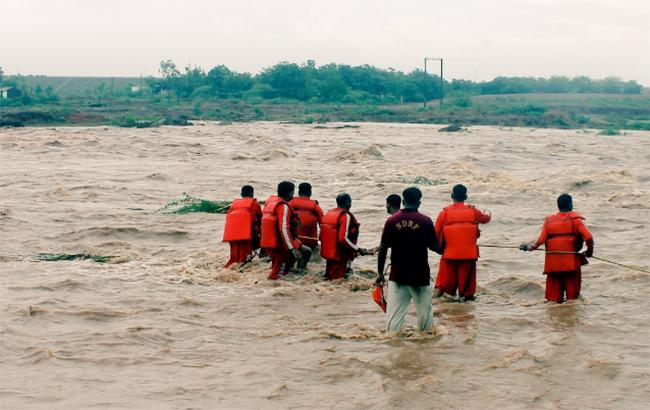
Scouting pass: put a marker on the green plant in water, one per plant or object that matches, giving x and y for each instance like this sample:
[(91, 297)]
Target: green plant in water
[(54, 257), (189, 204), (419, 180), (610, 131)]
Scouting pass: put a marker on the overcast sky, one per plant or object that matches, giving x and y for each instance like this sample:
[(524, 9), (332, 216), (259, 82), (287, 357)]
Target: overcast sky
[(479, 39)]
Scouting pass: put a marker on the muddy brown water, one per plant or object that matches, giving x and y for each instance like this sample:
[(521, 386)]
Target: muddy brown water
[(165, 326)]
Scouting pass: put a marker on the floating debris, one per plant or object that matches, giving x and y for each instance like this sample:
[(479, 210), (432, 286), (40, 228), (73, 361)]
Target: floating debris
[(55, 257)]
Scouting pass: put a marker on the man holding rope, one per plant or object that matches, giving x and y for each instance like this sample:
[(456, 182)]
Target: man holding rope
[(563, 235), (457, 230), (409, 234)]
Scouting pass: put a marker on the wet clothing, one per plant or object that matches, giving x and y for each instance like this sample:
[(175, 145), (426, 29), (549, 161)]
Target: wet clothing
[(563, 232), (398, 299), (409, 234), (285, 229), (560, 283), (457, 275), (241, 250), (311, 216), (457, 228), (344, 246), (281, 261)]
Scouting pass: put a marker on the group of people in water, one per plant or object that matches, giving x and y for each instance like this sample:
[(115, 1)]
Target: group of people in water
[(289, 229)]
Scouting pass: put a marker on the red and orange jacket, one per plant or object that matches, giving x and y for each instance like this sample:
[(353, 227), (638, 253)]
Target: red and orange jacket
[(311, 216), (563, 232), (242, 220), (338, 235), (279, 223), (457, 231)]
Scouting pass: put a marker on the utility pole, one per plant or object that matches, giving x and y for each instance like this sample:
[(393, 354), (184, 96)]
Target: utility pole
[(425, 79)]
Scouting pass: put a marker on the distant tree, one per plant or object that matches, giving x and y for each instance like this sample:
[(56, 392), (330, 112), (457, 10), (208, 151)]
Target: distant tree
[(632, 87), (168, 69), (49, 91), (218, 78), (2, 73), (612, 85), (557, 84), (38, 90), (582, 84), (329, 84), (286, 79)]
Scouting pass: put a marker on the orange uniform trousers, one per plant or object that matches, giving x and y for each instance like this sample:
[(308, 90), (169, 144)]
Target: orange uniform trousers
[(560, 283), (239, 251), (457, 275)]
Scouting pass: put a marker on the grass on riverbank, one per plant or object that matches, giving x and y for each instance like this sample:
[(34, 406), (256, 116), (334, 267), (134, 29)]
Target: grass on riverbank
[(600, 111)]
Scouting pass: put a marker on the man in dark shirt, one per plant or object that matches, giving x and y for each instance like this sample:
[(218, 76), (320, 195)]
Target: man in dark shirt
[(409, 234)]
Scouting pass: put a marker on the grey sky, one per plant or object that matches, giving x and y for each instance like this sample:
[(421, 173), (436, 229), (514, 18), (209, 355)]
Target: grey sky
[(479, 39)]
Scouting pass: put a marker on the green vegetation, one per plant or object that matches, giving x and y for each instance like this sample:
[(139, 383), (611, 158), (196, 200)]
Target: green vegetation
[(310, 94), (54, 257), (189, 204)]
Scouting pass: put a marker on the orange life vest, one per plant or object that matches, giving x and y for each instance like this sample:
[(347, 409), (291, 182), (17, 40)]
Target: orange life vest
[(308, 229), (459, 233), (239, 220), (562, 237), (270, 237), (329, 233)]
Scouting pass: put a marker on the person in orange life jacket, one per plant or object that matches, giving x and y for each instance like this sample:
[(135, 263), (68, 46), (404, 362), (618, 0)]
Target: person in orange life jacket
[(563, 232), (457, 230), (311, 216), (393, 203), (409, 234), (242, 227), (279, 223), (338, 235)]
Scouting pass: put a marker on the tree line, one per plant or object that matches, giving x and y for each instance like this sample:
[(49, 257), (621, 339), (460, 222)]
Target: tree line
[(365, 83)]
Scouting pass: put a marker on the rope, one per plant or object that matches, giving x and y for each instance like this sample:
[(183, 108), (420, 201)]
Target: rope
[(569, 253)]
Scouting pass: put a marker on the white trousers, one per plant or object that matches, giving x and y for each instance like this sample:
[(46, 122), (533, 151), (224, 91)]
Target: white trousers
[(398, 299)]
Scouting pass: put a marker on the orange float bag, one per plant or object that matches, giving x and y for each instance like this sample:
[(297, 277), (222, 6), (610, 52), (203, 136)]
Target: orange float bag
[(562, 237), (459, 234), (308, 229), (239, 221), (269, 236), (329, 234), (378, 297)]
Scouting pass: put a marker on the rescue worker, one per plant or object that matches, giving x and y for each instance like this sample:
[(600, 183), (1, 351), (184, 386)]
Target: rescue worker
[(310, 214), (242, 227), (339, 234), (279, 223), (393, 203), (563, 235), (457, 230), (409, 234)]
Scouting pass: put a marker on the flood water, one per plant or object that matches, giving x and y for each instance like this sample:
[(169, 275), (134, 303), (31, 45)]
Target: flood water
[(163, 325)]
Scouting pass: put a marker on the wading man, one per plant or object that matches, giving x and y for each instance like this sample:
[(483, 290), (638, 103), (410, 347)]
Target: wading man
[(409, 234), (279, 223), (563, 235), (311, 216), (457, 230), (242, 228), (339, 234)]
